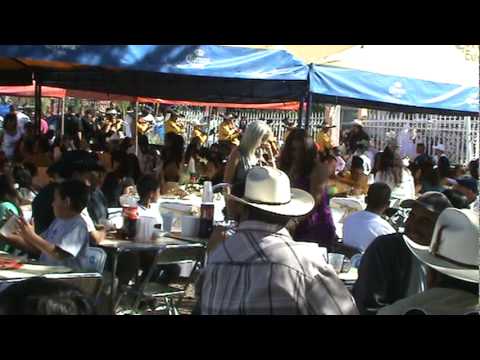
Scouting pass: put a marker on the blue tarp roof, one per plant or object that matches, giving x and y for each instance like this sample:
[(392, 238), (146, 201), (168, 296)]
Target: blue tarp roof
[(228, 74), (195, 60), (330, 81), (427, 77)]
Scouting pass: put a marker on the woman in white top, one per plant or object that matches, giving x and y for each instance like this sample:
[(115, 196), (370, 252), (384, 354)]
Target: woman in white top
[(10, 136), (391, 171)]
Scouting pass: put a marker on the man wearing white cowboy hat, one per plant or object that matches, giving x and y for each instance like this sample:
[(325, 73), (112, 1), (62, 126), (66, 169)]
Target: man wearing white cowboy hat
[(388, 271), (441, 159), (261, 269), (356, 135), (452, 260)]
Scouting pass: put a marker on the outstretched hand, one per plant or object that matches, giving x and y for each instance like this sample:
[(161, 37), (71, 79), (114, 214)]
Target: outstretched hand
[(24, 229)]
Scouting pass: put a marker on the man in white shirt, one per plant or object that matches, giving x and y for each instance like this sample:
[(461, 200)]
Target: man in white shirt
[(22, 119), (361, 228)]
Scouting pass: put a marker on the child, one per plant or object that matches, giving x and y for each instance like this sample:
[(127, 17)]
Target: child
[(65, 241), (148, 188)]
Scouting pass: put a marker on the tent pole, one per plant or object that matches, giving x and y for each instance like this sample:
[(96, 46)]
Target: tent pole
[(38, 107), (62, 124), (309, 111), (135, 130), (300, 113)]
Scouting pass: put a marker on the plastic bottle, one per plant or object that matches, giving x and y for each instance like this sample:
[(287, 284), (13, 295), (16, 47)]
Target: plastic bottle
[(207, 210)]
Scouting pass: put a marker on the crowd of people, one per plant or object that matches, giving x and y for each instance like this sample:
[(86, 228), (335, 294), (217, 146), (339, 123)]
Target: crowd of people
[(279, 196)]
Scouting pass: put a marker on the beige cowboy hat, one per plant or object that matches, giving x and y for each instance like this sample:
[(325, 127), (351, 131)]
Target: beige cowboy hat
[(357, 122), (454, 250), (268, 189), (439, 147)]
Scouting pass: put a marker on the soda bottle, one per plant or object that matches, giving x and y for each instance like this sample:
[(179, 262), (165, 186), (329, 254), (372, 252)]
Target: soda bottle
[(207, 210)]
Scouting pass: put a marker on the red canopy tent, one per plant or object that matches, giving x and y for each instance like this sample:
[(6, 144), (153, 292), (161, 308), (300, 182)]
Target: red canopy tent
[(47, 91)]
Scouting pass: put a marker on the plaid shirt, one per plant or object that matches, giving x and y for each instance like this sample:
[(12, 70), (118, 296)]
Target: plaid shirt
[(261, 270)]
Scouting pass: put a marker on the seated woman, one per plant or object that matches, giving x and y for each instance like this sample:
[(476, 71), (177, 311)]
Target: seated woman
[(24, 180), (299, 159), (255, 141), (9, 205), (192, 156), (354, 182), (429, 178), (124, 166), (391, 171), (173, 157)]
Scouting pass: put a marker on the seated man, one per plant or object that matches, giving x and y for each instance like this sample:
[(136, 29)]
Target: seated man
[(452, 269), (388, 271), (65, 241), (361, 228), (468, 186), (261, 269)]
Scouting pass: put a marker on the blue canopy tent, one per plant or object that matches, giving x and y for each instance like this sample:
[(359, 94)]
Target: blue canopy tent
[(436, 79), (206, 73)]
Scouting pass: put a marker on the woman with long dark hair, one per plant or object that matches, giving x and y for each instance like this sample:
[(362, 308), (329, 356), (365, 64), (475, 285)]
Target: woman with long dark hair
[(9, 205), (124, 166), (299, 159), (393, 172), (173, 157)]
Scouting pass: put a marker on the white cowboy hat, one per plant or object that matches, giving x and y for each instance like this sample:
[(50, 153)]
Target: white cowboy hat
[(454, 250), (268, 189), (440, 147), (357, 122), (112, 112)]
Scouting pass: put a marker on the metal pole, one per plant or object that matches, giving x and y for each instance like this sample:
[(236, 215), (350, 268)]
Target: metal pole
[(309, 111), (38, 107), (62, 124), (135, 130), (300, 113)]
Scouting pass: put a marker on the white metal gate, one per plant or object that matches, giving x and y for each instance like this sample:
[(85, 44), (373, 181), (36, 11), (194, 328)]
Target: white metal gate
[(460, 135)]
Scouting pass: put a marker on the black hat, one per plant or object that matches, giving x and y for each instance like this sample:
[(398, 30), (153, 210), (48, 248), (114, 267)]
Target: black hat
[(432, 200), (469, 183), (76, 160)]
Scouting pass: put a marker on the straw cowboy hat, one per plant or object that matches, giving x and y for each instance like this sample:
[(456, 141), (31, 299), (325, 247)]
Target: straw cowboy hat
[(439, 147), (268, 189), (357, 122), (454, 250), (228, 116)]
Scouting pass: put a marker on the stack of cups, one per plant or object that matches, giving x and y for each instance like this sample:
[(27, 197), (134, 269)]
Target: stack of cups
[(207, 196), (207, 210)]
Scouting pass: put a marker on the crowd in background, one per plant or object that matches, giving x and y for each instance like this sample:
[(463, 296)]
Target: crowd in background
[(96, 161)]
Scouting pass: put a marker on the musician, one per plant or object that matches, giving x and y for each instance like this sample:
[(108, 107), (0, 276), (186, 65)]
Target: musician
[(227, 131), (324, 140), (145, 122), (289, 125), (172, 124), (198, 131)]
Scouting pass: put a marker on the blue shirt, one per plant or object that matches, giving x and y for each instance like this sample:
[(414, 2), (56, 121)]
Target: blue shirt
[(70, 235)]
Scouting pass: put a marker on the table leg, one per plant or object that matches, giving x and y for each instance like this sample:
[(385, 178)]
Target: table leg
[(113, 290)]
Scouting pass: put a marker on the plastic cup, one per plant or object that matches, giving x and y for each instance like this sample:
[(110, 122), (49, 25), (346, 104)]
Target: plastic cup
[(190, 226), (167, 221), (336, 261)]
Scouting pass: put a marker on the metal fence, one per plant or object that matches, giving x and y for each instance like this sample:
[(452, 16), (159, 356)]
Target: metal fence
[(460, 135), (273, 117)]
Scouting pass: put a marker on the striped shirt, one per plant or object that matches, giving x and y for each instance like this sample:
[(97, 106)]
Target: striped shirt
[(261, 270)]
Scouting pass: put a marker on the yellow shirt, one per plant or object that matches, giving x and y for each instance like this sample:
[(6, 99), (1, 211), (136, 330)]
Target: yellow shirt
[(173, 126), (324, 141), (226, 133), (200, 134)]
